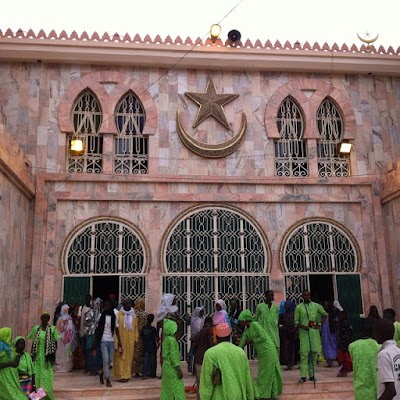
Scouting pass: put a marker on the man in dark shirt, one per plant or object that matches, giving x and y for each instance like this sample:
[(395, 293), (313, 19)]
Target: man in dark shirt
[(150, 344), (201, 343)]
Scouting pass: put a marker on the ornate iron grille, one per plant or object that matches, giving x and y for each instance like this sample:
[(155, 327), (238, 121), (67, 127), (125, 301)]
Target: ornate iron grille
[(131, 152), (319, 247), (330, 126), (132, 287), (215, 240), (176, 285), (105, 247), (87, 119), (214, 253), (295, 285), (290, 150)]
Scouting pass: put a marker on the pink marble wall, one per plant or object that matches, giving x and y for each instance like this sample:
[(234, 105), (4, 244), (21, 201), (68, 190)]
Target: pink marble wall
[(151, 206), (31, 95), (16, 216), (390, 185), (36, 94)]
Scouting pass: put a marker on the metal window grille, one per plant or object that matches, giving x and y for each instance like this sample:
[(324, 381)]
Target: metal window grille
[(290, 150), (330, 126), (87, 119), (214, 253), (316, 247), (131, 148), (105, 247)]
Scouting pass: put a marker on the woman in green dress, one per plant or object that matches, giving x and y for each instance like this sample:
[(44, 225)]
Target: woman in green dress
[(172, 387), (26, 370), (44, 346), (9, 382), (269, 379)]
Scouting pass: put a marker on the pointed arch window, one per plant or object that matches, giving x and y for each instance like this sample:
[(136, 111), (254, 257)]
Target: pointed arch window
[(330, 126), (131, 148), (291, 149), (87, 118)]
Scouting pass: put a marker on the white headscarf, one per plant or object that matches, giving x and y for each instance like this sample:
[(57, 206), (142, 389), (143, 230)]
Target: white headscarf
[(166, 306), (196, 322), (222, 304), (220, 316), (128, 317), (64, 312)]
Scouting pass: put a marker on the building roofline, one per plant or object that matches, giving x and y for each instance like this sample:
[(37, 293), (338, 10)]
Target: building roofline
[(135, 51)]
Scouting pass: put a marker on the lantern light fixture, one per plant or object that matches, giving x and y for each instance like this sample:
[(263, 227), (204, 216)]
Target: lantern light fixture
[(345, 147), (215, 31), (77, 145)]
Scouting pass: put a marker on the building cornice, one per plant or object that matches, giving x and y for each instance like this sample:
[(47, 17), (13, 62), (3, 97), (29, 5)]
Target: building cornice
[(158, 53)]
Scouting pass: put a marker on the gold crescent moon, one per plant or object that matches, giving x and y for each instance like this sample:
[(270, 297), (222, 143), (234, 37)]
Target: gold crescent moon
[(212, 150), (368, 41)]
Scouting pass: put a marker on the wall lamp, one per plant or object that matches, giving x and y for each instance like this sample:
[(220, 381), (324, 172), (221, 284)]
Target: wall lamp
[(76, 146), (215, 31), (345, 147)]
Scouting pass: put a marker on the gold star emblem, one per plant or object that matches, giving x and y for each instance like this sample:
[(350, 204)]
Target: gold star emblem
[(211, 104)]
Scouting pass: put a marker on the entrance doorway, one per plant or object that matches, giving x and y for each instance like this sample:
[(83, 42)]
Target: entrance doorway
[(103, 286), (321, 288)]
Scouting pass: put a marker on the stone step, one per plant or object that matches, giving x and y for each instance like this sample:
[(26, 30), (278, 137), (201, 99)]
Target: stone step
[(78, 386), (321, 386), (291, 391), (134, 395)]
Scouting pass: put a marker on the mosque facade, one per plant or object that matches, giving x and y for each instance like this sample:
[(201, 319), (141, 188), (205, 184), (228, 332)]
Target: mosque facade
[(208, 170)]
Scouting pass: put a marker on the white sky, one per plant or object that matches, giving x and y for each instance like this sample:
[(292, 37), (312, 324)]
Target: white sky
[(294, 20)]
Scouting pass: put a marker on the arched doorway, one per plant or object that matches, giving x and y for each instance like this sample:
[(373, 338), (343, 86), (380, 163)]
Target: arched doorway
[(214, 252), (104, 256), (323, 257)]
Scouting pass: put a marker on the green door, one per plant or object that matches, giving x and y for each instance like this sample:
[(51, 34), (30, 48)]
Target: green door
[(350, 298), (76, 288)]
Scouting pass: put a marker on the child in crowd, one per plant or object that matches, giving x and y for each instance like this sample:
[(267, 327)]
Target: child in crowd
[(172, 386), (364, 354), (150, 345)]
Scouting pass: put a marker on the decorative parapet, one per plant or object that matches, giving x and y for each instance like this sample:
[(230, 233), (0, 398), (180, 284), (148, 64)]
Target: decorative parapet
[(390, 182), (167, 53), (14, 164), (248, 44)]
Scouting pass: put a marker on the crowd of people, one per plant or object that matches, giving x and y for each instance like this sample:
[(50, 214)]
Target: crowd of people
[(106, 339)]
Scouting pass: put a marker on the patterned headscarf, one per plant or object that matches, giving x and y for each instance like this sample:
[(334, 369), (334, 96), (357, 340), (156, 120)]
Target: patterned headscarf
[(140, 304), (50, 345), (5, 341), (246, 315), (166, 306), (92, 317)]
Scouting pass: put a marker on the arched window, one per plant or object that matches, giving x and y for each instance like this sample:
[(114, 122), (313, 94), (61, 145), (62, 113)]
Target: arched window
[(131, 148), (320, 256), (290, 150), (330, 126), (215, 253), (105, 252), (87, 118)]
